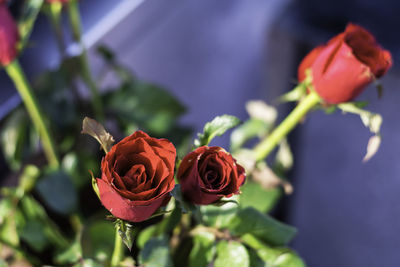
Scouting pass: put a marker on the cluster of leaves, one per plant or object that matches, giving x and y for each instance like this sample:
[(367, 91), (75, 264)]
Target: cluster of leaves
[(237, 231), (219, 235), (52, 216)]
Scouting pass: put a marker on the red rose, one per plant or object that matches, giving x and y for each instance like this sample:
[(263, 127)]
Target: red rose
[(208, 174), (8, 36), (345, 65), (137, 176)]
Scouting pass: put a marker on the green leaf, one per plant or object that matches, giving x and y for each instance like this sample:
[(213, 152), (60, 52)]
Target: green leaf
[(145, 105), (255, 260), (33, 211), (277, 257), (219, 216), (29, 177), (217, 127), (6, 207), (94, 185), (203, 250), (289, 259), (156, 253), (295, 95), (126, 232), (33, 234), (26, 21), (8, 222), (146, 234), (161, 117), (58, 192), (15, 138), (172, 220), (263, 226), (97, 131), (97, 239), (89, 263), (250, 129), (71, 254), (253, 195), (232, 254), (77, 166)]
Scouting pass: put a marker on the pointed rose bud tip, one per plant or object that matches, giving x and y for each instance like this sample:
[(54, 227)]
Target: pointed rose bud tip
[(8, 35)]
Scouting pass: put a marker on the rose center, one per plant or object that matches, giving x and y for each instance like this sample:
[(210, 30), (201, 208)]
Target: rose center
[(134, 177), (211, 177)]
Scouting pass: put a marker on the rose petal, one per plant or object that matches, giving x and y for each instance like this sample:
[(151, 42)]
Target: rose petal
[(354, 75), (366, 50), (124, 209), (118, 181), (166, 155), (307, 62)]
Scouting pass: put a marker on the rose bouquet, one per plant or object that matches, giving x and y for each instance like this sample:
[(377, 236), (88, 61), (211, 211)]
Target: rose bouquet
[(156, 198)]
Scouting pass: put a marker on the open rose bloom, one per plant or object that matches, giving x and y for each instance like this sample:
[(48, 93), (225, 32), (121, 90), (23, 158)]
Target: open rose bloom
[(137, 176), (345, 65), (209, 173)]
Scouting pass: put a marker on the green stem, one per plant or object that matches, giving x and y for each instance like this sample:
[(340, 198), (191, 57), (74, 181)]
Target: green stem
[(74, 18), (265, 147), (55, 19), (16, 73), (118, 250)]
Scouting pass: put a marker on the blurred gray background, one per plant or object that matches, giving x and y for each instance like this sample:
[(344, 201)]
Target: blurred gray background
[(216, 55)]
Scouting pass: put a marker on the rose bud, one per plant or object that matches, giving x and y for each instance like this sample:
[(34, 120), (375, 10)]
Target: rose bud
[(8, 36), (209, 173), (137, 176), (343, 67)]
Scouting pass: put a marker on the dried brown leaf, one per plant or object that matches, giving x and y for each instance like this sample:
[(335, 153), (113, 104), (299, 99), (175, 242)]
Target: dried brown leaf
[(97, 131)]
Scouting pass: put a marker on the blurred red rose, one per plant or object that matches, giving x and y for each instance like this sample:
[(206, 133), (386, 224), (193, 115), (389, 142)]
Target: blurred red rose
[(137, 176), (345, 65), (8, 36), (209, 173)]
